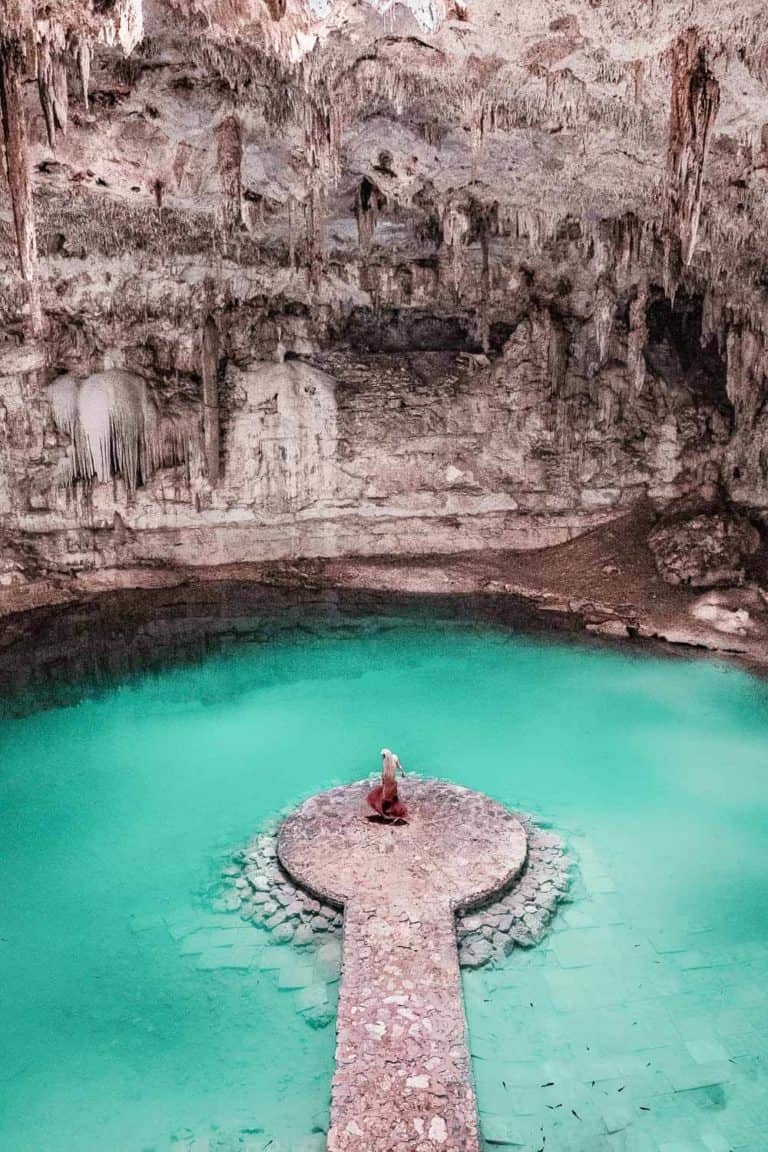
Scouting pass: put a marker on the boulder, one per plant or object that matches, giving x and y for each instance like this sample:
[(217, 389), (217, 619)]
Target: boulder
[(706, 551)]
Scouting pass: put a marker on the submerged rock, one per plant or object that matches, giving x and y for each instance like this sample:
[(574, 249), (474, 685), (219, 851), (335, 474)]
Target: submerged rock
[(303, 936), (475, 953), (283, 933)]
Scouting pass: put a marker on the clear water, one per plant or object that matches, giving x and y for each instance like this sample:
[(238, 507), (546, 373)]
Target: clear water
[(641, 1025)]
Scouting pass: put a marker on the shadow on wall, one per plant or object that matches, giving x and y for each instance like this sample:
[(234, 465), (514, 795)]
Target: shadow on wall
[(675, 352)]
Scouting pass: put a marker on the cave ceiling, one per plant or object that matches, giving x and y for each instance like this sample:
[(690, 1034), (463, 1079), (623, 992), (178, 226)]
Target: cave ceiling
[(326, 136)]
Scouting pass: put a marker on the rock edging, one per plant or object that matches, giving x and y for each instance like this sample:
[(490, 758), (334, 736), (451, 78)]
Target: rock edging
[(262, 893)]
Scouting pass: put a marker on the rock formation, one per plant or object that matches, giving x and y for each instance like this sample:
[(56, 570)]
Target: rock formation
[(292, 278), (704, 551)]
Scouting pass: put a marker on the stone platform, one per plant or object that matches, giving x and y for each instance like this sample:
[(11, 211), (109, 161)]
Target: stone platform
[(403, 1077)]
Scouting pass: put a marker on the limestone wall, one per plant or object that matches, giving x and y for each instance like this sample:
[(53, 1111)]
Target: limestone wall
[(356, 452)]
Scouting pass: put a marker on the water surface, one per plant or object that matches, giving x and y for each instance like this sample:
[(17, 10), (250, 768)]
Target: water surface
[(641, 1025)]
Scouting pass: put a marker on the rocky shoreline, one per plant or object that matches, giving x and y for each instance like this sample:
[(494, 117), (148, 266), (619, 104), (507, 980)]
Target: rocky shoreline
[(601, 589), (65, 634)]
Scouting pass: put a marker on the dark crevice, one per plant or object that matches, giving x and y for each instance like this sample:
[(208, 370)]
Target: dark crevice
[(674, 350)]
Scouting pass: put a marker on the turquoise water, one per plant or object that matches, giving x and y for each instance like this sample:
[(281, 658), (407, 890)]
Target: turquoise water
[(131, 1020)]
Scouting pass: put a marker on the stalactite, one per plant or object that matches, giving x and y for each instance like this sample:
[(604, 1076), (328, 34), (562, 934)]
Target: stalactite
[(538, 226), (19, 181), (694, 105), (210, 374), (60, 89), (52, 78), (486, 285), (158, 190), (17, 22), (638, 81), (291, 237), (41, 43), (565, 99), (313, 220), (84, 57), (455, 226), (369, 201), (672, 271), (747, 377), (565, 95), (124, 24), (45, 88), (229, 153), (557, 352), (603, 319), (636, 338)]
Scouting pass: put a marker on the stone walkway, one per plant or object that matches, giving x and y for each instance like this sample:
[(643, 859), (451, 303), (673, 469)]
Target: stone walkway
[(403, 1077)]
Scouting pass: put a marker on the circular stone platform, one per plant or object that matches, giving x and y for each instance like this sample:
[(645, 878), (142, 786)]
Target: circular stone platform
[(460, 844), (403, 1074)]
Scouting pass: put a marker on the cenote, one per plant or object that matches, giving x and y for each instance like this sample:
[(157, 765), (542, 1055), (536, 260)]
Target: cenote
[(640, 1024)]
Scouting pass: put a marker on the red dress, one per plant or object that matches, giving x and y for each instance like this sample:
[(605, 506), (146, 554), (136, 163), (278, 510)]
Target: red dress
[(386, 803)]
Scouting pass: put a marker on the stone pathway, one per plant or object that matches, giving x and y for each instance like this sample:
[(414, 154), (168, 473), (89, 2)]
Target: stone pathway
[(403, 1076)]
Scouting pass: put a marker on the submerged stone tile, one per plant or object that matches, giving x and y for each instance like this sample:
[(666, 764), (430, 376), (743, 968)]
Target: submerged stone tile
[(296, 976), (500, 1131), (616, 1117), (207, 939), (237, 957), (314, 996), (145, 923), (707, 1052), (686, 1074)]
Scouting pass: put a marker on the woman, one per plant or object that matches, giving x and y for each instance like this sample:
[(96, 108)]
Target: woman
[(384, 798)]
